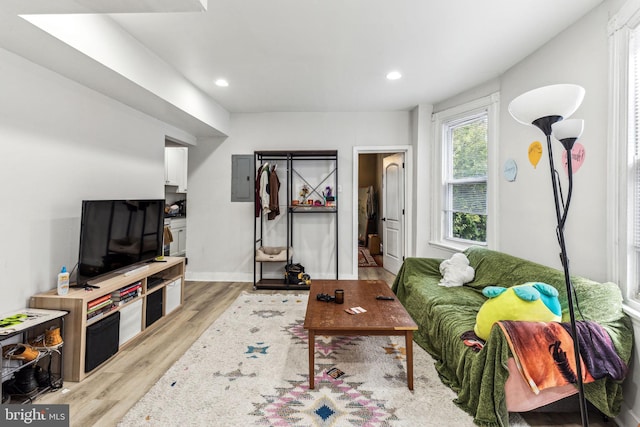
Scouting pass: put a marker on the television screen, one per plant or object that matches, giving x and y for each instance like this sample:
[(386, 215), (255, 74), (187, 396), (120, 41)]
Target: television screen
[(115, 234)]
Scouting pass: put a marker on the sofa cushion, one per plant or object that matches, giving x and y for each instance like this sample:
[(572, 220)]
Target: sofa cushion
[(500, 269), (600, 302)]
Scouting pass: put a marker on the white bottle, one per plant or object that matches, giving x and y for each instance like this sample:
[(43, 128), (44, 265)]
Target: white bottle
[(63, 281)]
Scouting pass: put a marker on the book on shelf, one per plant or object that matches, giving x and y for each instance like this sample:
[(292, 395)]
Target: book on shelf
[(101, 305), (120, 294), (98, 301), (102, 311), (128, 288), (136, 285), (127, 298)]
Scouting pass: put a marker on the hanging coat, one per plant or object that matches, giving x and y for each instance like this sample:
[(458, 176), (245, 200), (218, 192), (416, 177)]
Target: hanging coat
[(274, 187), (371, 203), (264, 188), (257, 199)]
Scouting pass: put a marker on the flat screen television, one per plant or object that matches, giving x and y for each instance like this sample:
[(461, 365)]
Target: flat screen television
[(115, 235)]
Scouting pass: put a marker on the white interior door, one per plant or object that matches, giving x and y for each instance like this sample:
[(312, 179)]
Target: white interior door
[(393, 211)]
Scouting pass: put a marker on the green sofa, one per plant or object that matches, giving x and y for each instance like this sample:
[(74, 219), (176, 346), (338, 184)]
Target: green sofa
[(444, 314)]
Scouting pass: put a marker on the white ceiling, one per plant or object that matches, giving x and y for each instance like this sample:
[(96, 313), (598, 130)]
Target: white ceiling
[(317, 55)]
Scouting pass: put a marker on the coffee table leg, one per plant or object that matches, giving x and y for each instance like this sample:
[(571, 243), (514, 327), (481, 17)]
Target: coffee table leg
[(312, 348), (409, 347)]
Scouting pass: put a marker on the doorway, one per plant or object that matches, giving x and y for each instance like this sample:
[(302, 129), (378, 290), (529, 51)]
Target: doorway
[(369, 210), (175, 194), (381, 188)]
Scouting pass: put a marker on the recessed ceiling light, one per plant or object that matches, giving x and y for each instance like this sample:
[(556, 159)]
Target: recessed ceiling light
[(394, 75), (222, 83)]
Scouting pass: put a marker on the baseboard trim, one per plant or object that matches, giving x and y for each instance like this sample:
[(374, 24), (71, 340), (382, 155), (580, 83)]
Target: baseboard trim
[(627, 417)]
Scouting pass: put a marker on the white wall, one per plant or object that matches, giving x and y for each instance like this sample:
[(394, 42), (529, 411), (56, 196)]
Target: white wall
[(525, 207), (222, 247), (61, 143), (421, 134), (578, 55)]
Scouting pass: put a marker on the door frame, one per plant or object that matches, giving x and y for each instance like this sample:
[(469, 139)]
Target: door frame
[(407, 150)]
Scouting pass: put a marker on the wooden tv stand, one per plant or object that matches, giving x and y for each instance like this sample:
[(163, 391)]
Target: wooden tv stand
[(166, 277)]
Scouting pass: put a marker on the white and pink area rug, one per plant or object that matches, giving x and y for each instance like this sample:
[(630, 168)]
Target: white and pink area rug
[(250, 368)]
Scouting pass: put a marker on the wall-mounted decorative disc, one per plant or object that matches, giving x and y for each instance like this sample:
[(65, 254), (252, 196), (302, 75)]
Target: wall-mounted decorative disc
[(510, 170)]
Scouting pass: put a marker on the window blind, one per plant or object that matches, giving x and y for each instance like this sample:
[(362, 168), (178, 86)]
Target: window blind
[(470, 198), (633, 147), (467, 181), (634, 95)]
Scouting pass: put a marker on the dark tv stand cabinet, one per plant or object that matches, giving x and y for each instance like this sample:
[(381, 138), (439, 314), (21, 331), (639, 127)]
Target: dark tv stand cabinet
[(166, 278)]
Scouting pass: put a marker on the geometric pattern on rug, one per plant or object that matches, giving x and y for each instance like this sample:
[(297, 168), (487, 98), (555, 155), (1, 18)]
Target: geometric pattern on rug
[(233, 375), (250, 368), (332, 400), (256, 350), (365, 259), (397, 351), (324, 345), (266, 314)]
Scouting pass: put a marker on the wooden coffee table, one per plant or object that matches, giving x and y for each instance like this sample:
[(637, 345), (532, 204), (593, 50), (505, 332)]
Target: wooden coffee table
[(383, 317)]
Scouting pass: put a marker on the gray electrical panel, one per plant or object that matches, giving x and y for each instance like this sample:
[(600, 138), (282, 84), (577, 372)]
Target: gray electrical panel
[(242, 178)]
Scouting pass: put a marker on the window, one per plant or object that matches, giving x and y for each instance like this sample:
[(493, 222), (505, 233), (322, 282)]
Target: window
[(464, 150), (465, 183), (624, 162)]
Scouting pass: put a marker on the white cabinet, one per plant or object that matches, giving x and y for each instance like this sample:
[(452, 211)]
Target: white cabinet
[(179, 232), (130, 321), (175, 167), (173, 296)]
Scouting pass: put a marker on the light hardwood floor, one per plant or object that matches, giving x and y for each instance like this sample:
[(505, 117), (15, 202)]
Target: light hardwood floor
[(104, 398)]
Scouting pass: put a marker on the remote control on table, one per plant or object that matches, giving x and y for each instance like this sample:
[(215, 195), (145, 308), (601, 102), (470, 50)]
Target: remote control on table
[(384, 298)]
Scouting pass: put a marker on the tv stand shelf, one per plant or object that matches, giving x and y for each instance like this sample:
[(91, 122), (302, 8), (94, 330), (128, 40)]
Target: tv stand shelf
[(166, 277)]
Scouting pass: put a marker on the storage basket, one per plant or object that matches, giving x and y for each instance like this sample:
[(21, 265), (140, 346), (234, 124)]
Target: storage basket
[(273, 253)]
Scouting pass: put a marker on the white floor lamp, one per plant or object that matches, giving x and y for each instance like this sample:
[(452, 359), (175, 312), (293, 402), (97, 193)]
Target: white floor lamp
[(547, 108)]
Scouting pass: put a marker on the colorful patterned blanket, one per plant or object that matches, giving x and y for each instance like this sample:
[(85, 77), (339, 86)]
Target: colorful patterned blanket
[(544, 353)]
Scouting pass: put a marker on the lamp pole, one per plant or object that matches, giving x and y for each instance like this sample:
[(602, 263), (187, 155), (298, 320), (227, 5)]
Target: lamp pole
[(562, 208), (547, 108)]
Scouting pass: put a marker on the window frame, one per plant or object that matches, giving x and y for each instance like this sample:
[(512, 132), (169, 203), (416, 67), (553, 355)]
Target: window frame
[(621, 177), (442, 164), (449, 181)]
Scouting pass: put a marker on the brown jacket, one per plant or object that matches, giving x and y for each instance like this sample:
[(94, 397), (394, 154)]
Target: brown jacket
[(274, 187)]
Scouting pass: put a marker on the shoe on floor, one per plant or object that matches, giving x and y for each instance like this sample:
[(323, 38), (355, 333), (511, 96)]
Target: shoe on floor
[(22, 352), (25, 380), (50, 340), (43, 377)]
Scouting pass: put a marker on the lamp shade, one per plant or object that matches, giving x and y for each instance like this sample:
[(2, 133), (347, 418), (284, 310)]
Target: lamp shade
[(554, 100), (565, 129)]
